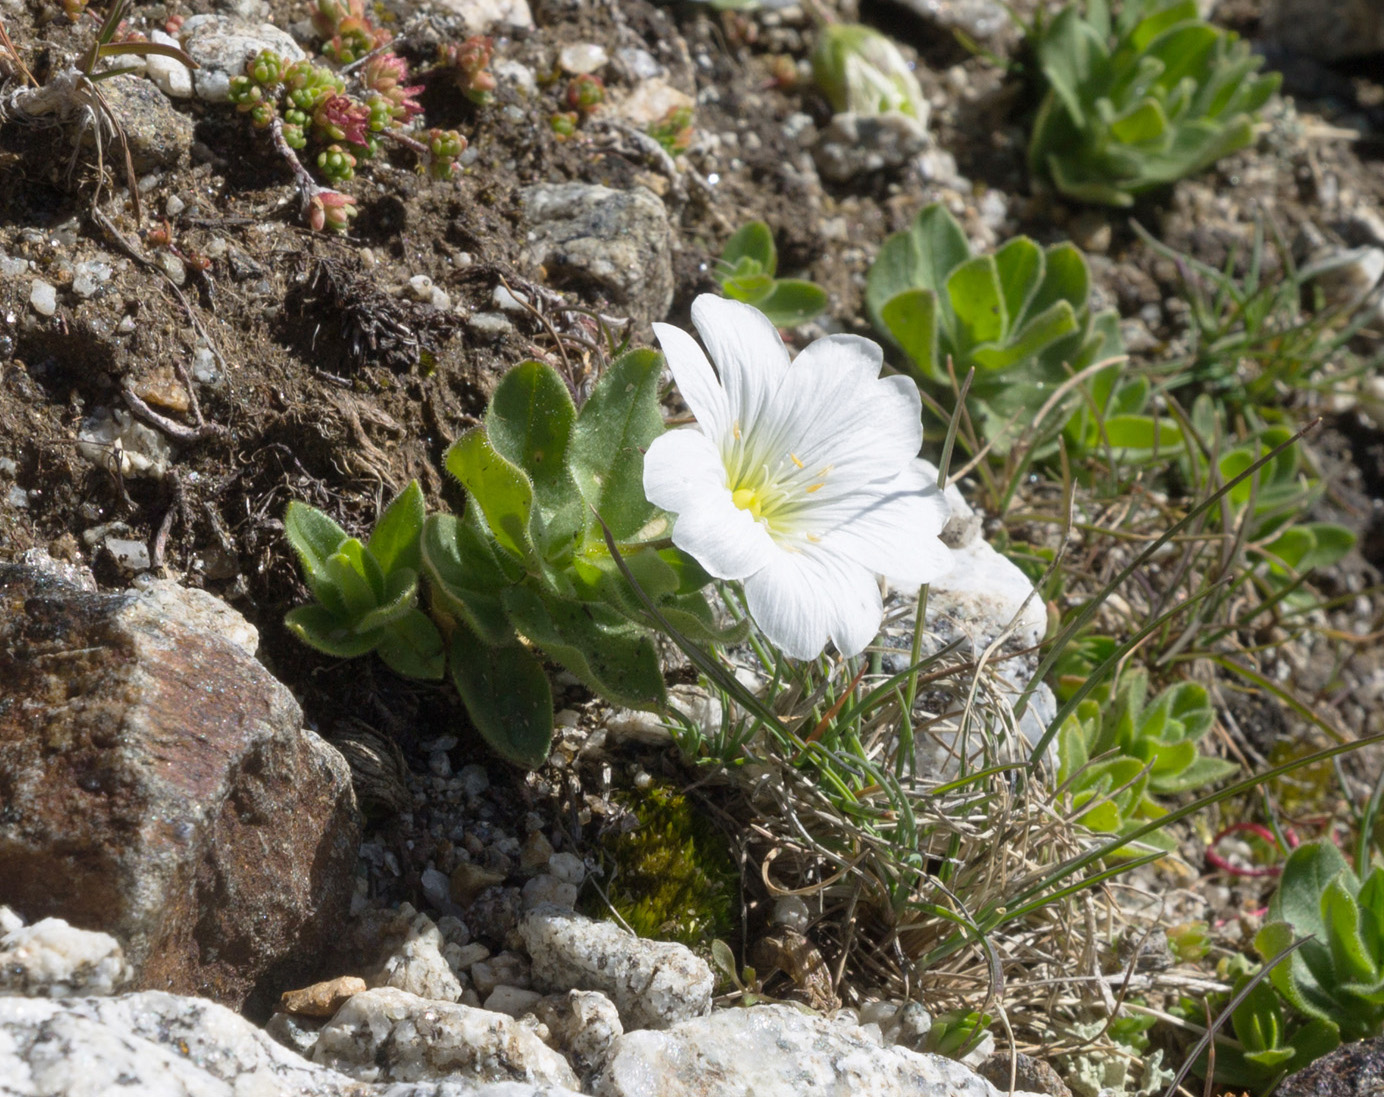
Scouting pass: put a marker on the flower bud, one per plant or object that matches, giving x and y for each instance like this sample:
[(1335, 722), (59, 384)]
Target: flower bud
[(862, 71)]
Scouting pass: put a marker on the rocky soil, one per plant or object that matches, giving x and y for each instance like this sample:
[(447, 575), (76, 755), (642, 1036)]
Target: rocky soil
[(171, 376)]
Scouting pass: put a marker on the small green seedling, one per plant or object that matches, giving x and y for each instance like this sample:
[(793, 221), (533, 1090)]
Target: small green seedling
[(1020, 318), (1141, 102), (366, 594), (1337, 974), (746, 273)]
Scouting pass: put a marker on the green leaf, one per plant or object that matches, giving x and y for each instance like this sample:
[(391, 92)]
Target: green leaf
[(1142, 433), (1342, 917), (977, 302), (529, 423), (400, 596), (616, 425), (920, 257), (792, 302), (345, 570), (911, 318), (507, 696), (467, 574), (501, 489), (1371, 903), (412, 646), (1056, 322), (752, 241), (1330, 544), (602, 581), (753, 289), (612, 657), (317, 628), (692, 616), (394, 540), (1145, 123), (313, 535), (1020, 266)]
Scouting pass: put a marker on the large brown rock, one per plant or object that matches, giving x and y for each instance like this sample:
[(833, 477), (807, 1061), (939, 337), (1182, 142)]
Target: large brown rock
[(156, 783)]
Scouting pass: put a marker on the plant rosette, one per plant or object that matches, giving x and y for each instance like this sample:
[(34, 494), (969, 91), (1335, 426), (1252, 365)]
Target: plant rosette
[(801, 478)]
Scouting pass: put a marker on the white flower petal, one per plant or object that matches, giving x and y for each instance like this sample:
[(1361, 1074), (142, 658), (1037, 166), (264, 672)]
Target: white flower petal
[(892, 529), (724, 539), (695, 380), (834, 412), (682, 467), (802, 599), (749, 355), (683, 474)]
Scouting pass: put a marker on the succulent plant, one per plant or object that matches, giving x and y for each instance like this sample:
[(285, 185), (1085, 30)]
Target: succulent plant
[(1021, 317), (1155, 96)]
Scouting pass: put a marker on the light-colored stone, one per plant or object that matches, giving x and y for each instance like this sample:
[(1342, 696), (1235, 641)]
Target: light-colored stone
[(416, 964), (514, 1001), (322, 999), (651, 100), (582, 1024), (389, 1035), (858, 144), (169, 75), (43, 297), (653, 984), (581, 58), (775, 1051), (545, 890), (152, 1044), (221, 45), (482, 16), (504, 968), (615, 242), (52, 959), (120, 443)]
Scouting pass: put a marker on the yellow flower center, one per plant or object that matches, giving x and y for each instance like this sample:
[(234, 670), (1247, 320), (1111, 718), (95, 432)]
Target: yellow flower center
[(749, 499)]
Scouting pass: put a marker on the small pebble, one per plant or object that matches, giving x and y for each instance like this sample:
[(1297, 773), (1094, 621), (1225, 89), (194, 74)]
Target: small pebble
[(44, 297), (515, 1001), (174, 205), (567, 867), (581, 58), (437, 888), (129, 554), (321, 999), (439, 764)]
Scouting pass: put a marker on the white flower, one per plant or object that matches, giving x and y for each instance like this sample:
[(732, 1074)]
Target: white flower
[(801, 478)]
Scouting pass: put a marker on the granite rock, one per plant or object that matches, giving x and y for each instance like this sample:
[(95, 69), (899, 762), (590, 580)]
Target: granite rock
[(389, 1035), (51, 959), (653, 984), (775, 1051), (158, 786)]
